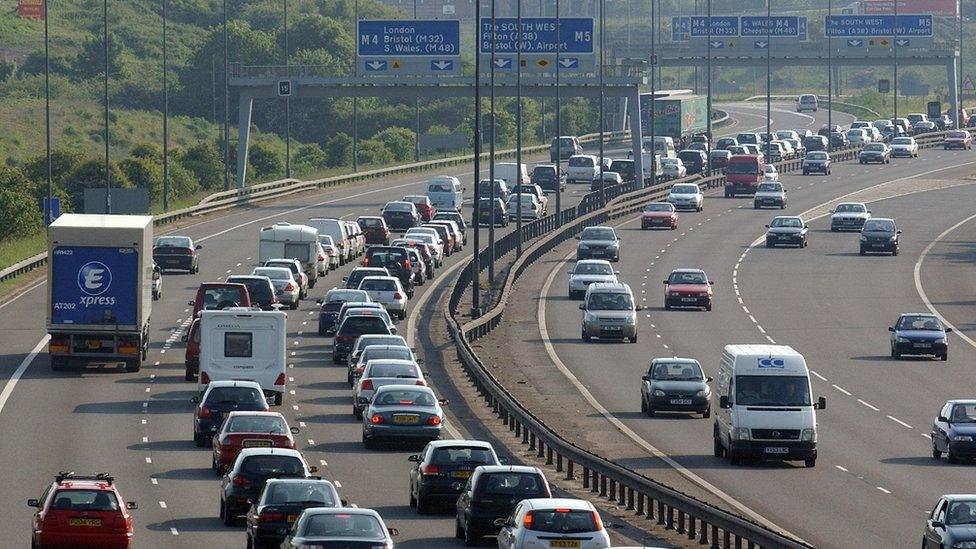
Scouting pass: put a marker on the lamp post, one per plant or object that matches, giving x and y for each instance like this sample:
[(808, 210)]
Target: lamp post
[(769, 119), (287, 99), (165, 109), (830, 77), (518, 128), (491, 152), (962, 79), (476, 222), (47, 118), (894, 46), (708, 89), (108, 172), (559, 128), (650, 107), (226, 108), (603, 190)]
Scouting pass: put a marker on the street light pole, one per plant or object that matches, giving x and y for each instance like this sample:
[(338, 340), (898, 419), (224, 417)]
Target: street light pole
[(769, 119), (650, 106), (603, 190), (355, 104), (416, 111), (165, 109), (491, 152), (476, 222), (108, 171), (559, 128), (226, 109), (47, 119), (895, 49), (830, 77), (708, 89), (287, 99), (518, 129)]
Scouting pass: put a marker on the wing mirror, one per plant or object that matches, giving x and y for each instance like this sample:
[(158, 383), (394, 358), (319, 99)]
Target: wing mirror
[(948, 330), (638, 307), (313, 468), (723, 402), (199, 246), (443, 401), (821, 403), (937, 524), (414, 458), (645, 378), (320, 300), (897, 232), (191, 303), (294, 430), (767, 226), (183, 338), (711, 282), (582, 307), (891, 328), (131, 505), (195, 400), (393, 531), (501, 523), (942, 419)]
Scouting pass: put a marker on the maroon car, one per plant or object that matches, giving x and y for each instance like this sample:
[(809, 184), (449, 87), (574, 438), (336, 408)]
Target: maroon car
[(423, 204), (375, 229), (959, 139), (219, 295), (688, 288)]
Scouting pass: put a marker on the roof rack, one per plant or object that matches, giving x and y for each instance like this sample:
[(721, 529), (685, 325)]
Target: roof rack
[(70, 475)]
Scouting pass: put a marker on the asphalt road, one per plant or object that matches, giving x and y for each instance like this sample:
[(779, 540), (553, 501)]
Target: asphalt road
[(875, 478), (138, 425)]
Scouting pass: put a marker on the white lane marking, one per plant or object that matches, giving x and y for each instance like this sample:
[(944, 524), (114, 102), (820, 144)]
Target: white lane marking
[(148, 459), (926, 435), (323, 463), (162, 504), (174, 531), (875, 408), (637, 439), (843, 390), (883, 490), (143, 422), (822, 378), (311, 442), (338, 484), (8, 388), (841, 468), (145, 440), (771, 340), (153, 480), (900, 422)]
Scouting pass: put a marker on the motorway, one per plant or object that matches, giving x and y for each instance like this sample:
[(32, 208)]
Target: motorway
[(875, 478), (138, 425)]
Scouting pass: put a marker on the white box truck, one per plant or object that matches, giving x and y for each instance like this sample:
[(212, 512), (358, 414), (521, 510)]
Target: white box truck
[(99, 289), (242, 343), (765, 405)]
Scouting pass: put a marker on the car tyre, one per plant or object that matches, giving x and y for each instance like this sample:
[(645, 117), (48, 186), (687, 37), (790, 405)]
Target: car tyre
[(357, 413), (368, 442), (952, 458), (895, 251), (188, 375), (863, 252), (707, 413), (755, 205), (133, 365), (470, 539), (734, 458), (708, 306), (643, 405), (458, 531), (423, 507), (944, 356), (278, 397), (810, 462), (584, 336), (717, 449), (936, 453), (199, 440), (229, 519), (293, 306), (634, 339)]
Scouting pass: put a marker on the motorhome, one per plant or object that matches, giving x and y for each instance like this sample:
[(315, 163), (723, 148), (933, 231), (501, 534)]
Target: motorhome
[(243, 343)]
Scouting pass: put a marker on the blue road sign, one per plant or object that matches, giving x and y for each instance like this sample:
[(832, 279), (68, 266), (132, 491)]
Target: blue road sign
[(680, 29), (442, 65), (409, 38), (801, 28), (721, 26), (855, 43), (538, 35), (376, 65), (503, 63), (568, 62), (903, 42), (778, 26), (52, 210), (844, 26)]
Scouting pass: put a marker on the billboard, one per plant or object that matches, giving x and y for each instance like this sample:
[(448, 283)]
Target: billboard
[(934, 7)]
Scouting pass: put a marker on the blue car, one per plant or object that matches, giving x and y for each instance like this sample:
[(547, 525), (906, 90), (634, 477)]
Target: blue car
[(952, 523), (919, 334), (954, 431)]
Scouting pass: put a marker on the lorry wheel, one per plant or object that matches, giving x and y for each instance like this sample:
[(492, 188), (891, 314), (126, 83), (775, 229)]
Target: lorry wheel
[(133, 365), (717, 449), (188, 375)]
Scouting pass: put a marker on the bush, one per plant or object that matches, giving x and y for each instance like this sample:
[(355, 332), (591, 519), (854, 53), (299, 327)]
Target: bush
[(19, 215), (7, 69), (144, 173), (374, 152), (91, 174), (309, 158), (147, 150), (182, 181), (265, 161), (34, 64), (91, 58), (399, 141), (63, 163), (338, 150), (204, 160)]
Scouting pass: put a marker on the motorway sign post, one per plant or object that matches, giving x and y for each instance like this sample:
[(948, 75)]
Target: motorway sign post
[(680, 29), (284, 88), (408, 47), (539, 43)]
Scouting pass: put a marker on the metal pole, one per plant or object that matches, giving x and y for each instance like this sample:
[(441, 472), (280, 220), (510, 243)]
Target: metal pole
[(47, 119), (518, 129), (165, 109), (962, 78), (651, 102), (355, 107), (416, 111), (226, 109), (491, 153), (603, 190), (830, 77), (476, 262), (708, 89), (769, 118), (895, 50), (108, 172), (213, 87), (542, 100), (287, 99), (559, 127)]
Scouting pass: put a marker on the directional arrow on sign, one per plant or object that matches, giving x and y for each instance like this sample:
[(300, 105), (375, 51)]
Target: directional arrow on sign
[(902, 42), (760, 44), (855, 43), (569, 62), (441, 65), (503, 63), (376, 65), (717, 44)]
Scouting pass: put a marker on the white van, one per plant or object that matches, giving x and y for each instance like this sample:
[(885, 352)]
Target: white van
[(513, 174), (664, 146), (241, 343), (287, 241), (336, 228), (445, 193), (765, 405), (807, 102)]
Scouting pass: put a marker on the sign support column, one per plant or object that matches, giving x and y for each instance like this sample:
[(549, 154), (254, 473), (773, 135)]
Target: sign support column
[(476, 223)]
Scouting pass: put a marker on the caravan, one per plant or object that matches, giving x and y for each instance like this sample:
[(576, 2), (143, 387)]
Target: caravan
[(765, 405), (243, 343), (287, 241)]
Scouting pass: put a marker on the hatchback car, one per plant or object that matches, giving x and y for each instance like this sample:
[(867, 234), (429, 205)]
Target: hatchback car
[(221, 398), (423, 204), (954, 431), (926, 126), (359, 273), (919, 334), (492, 493), (400, 216), (556, 522), (374, 229), (366, 340), (904, 146), (249, 430), (687, 196), (675, 385), (349, 331), (82, 511), (659, 214), (377, 351), (280, 504), (191, 355), (489, 212), (598, 242), (245, 479), (609, 312), (816, 161), (387, 291), (213, 296), (952, 523), (396, 260), (879, 235), (443, 467), (260, 290), (770, 193), (770, 173), (380, 372), (332, 303), (673, 168), (958, 140), (688, 288), (531, 208), (549, 177), (177, 252), (287, 288), (345, 527), (848, 216), (402, 413), (458, 220), (589, 271), (694, 161), (875, 152), (786, 229)]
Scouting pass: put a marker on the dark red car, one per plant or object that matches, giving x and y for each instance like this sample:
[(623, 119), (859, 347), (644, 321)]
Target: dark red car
[(219, 295), (659, 215), (688, 288), (375, 229), (191, 357), (249, 430), (423, 204), (82, 511), (958, 139)]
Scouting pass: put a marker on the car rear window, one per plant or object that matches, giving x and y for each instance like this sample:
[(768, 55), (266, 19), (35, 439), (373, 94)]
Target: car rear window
[(343, 526), (234, 395), (460, 455), (256, 424), (85, 500), (397, 207), (270, 465), (562, 521), (274, 273), (370, 221), (256, 289), (219, 298), (386, 257), (404, 397), (379, 285), (386, 369), (394, 353), (172, 242), (306, 493), (355, 325), (511, 484), (581, 162)]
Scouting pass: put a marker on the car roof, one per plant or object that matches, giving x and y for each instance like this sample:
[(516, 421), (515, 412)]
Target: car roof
[(507, 468), (393, 361), (598, 261), (882, 219), (788, 217), (609, 287), (552, 503), (461, 442), (674, 360), (254, 413), (961, 401), (78, 484), (918, 314), (248, 452), (403, 387), (234, 383), (955, 497), (342, 511), (365, 278), (687, 270)]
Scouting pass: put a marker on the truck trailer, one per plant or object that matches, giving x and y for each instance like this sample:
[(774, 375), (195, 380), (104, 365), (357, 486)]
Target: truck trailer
[(676, 115), (99, 272)]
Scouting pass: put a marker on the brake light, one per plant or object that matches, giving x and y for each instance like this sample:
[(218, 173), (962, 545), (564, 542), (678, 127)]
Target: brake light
[(397, 296), (289, 287), (241, 481), (204, 378), (421, 382), (367, 385), (429, 470), (280, 380), (58, 345), (359, 370), (321, 257), (527, 521), (204, 412), (364, 262), (376, 419), (434, 420), (406, 264), (597, 521), (271, 516)]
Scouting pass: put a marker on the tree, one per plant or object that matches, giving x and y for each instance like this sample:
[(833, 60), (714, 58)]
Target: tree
[(64, 162), (265, 161), (374, 152), (182, 181), (399, 141), (338, 150), (144, 173), (314, 32), (19, 215), (91, 174), (91, 58), (204, 160), (310, 158), (147, 150)]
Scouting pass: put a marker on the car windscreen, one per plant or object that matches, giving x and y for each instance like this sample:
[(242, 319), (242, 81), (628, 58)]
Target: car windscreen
[(609, 301), (566, 142), (511, 484), (385, 257), (416, 199), (958, 135), (544, 172), (271, 465), (684, 189), (676, 371), (306, 493), (689, 156), (256, 424), (659, 208), (770, 188), (787, 222), (687, 278), (581, 162), (598, 233), (342, 525), (357, 276), (233, 395), (772, 390), (562, 521), (378, 285), (593, 269), (355, 325), (404, 397), (817, 156), (919, 322), (462, 455), (850, 208), (390, 369), (85, 500), (670, 161), (902, 141), (961, 512), (963, 413), (341, 296), (879, 147), (878, 225), (172, 242), (379, 339)]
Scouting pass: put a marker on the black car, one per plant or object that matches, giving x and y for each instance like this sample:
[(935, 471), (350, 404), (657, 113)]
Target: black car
[(875, 152), (400, 216), (223, 397), (879, 234), (626, 168), (177, 252), (332, 303), (500, 211), (281, 503), (675, 385), (492, 493), (351, 328), (724, 143), (919, 334), (548, 177), (695, 161), (954, 431), (786, 229), (259, 289), (838, 140), (396, 259), (943, 122), (243, 482), (815, 143), (444, 467)]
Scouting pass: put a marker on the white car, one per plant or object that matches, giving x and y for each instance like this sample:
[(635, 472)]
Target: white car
[(157, 282), (531, 207), (545, 522), (686, 196), (770, 173), (589, 271), (322, 260), (388, 291), (769, 193), (430, 237), (904, 146), (860, 124), (331, 250), (380, 372), (849, 216), (858, 137), (582, 167), (673, 168), (788, 152)]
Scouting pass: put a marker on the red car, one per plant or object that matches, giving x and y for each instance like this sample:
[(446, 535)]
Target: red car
[(423, 204), (82, 511), (959, 139), (375, 230), (191, 358), (249, 430), (219, 295), (688, 288), (659, 214)]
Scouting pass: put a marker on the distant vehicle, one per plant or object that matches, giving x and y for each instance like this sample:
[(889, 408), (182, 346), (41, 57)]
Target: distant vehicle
[(512, 174), (673, 168), (435, 472), (339, 527), (607, 178), (380, 373), (582, 168), (958, 139), (500, 186), (609, 312), (281, 502), (536, 521), (904, 146), (659, 214), (377, 352), (825, 130), (849, 215), (549, 177), (815, 143), (875, 152), (860, 124), (458, 220), (445, 193), (803, 133), (770, 173), (925, 126), (488, 210), (626, 168), (724, 143), (676, 385), (943, 122), (807, 102), (287, 289), (535, 190), (293, 265), (221, 398), (397, 262), (244, 344), (402, 413), (332, 302), (916, 117), (755, 150), (743, 174), (687, 196), (589, 271), (337, 230), (214, 296), (598, 243), (400, 216), (388, 291), (82, 511), (919, 334), (249, 430), (423, 205), (786, 134), (694, 160), (816, 161), (294, 242), (798, 148), (838, 140), (951, 522), (351, 328), (245, 479), (531, 208), (563, 147), (765, 408), (375, 229), (858, 137), (491, 494), (879, 235), (719, 159), (260, 290), (177, 252), (971, 121), (787, 229), (770, 193), (954, 432), (748, 138), (688, 288), (191, 354)]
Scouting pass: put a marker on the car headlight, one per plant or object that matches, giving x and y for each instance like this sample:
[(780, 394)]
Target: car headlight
[(703, 393), (962, 438), (964, 545), (903, 340), (864, 238), (808, 435), (583, 247), (589, 317), (658, 393), (892, 239), (941, 340), (740, 433)]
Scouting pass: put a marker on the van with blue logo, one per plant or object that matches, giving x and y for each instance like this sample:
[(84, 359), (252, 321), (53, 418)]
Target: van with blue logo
[(100, 278), (765, 408)]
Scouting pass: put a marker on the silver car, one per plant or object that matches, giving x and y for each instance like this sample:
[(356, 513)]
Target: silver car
[(686, 196), (609, 312), (589, 271), (402, 413), (770, 193), (376, 352), (286, 287), (388, 291), (849, 216), (381, 372), (598, 242)]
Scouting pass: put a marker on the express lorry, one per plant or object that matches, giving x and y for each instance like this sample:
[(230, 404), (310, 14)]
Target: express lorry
[(675, 116)]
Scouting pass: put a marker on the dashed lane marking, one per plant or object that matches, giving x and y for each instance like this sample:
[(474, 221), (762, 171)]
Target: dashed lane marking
[(843, 390), (875, 408), (900, 422)]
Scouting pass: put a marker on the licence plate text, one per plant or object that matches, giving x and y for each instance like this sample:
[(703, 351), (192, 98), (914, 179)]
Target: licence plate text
[(777, 450), (681, 401), (564, 543), (402, 419), (84, 522)]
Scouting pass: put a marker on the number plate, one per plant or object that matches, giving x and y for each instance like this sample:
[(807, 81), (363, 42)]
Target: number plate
[(689, 299), (564, 543), (462, 474), (923, 345), (612, 328), (257, 443), (877, 245), (777, 450), (405, 419), (785, 237), (681, 401), (84, 522)]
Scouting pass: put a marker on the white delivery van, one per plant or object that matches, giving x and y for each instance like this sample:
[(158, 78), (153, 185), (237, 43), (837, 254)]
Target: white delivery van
[(287, 241), (242, 343), (336, 228), (513, 174), (445, 193), (765, 405), (807, 102)]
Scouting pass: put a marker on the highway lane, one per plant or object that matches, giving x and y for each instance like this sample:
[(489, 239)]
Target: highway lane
[(796, 498), (138, 425)]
